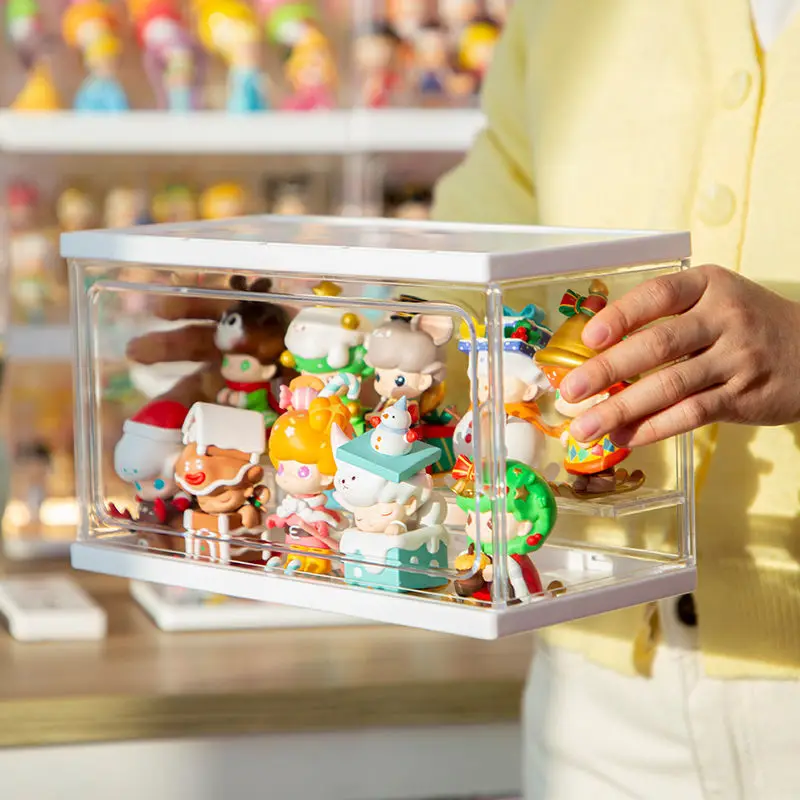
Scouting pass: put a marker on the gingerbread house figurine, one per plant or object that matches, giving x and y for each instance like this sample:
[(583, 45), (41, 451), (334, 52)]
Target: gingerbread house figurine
[(220, 467)]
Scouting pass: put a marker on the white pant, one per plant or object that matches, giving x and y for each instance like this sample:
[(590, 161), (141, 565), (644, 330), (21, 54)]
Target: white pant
[(593, 734)]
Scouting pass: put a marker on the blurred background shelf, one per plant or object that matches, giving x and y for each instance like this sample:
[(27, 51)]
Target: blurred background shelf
[(271, 133), (39, 342)]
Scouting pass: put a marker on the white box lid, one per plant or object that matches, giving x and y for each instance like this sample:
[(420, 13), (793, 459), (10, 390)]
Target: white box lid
[(392, 250)]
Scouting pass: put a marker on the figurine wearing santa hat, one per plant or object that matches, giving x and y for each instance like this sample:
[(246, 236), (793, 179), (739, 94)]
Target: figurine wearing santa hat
[(145, 456)]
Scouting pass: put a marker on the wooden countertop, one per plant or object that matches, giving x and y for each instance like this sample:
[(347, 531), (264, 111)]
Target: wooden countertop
[(141, 683)]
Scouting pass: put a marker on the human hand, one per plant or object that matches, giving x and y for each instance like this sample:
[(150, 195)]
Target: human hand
[(725, 348)]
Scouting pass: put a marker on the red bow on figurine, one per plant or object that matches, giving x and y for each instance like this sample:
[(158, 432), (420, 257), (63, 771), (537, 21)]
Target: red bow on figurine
[(464, 469)]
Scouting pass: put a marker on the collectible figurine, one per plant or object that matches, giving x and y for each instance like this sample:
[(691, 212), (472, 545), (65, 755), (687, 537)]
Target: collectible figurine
[(475, 51), (250, 338), (33, 466), (498, 10), (288, 196), (171, 57), (407, 16), (455, 15), (124, 207), (300, 450), (219, 466), (523, 383), (377, 62), (287, 21), (324, 341), (406, 354), (31, 258), (25, 28), (593, 463), (397, 537), (431, 62), (311, 74), (410, 202), (91, 26), (146, 456), (222, 201), (75, 210), (174, 203), (22, 204), (229, 29), (530, 515)]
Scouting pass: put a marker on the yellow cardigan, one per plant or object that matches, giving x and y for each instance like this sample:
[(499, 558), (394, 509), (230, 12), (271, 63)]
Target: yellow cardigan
[(631, 114)]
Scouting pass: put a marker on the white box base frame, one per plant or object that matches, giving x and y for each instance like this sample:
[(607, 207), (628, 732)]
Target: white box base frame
[(629, 581)]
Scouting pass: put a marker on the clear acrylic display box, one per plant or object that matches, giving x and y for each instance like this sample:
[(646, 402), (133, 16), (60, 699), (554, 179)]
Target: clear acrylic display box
[(498, 521)]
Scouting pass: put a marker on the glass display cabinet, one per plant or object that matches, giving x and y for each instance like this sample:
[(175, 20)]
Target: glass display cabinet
[(362, 416)]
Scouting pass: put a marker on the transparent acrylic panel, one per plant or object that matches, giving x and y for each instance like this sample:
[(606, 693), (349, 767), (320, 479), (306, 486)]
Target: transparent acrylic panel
[(384, 449)]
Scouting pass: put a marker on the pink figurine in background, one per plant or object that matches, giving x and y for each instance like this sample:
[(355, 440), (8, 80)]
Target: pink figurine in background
[(22, 202), (171, 57), (311, 73), (145, 456)]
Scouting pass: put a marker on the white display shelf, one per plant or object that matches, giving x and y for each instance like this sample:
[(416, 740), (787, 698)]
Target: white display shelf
[(192, 613), (280, 133), (406, 250), (39, 343), (615, 581), (17, 548)]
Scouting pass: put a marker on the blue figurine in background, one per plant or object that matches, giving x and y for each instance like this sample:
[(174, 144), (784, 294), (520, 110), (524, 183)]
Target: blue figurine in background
[(89, 25)]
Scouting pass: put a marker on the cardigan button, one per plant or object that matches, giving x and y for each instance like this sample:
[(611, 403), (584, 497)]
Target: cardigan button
[(716, 205), (737, 90)]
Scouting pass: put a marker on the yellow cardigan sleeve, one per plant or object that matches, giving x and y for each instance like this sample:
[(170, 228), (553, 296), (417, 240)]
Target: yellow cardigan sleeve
[(494, 183)]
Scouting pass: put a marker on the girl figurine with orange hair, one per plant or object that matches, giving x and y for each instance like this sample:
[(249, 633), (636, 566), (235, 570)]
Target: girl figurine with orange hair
[(592, 463), (91, 26), (311, 73), (301, 452), (230, 29)]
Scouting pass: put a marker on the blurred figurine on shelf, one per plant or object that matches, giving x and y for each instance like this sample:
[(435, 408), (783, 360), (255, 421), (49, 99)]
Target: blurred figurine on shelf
[(397, 530), (407, 17), (171, 57), (498, 10), (409, 202), (475, 51), (33, 466), (75, 210), (378, 67), (300, 450), (22, 204), (524, 333), (287, 21), (288, 196), (325, 341), (91, 26), (311, 74), (223, 201), (31, 257), (455, 15), (250, 337), (530, 516), (174, 203), (219, 466), (432, 71), (409, 364), (230, 30), (593, 464), (124, 207), (25, 29), (145, 456)]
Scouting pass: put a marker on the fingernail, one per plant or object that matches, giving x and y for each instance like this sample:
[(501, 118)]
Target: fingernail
[(574, 386), (596, 334), (586, 427)]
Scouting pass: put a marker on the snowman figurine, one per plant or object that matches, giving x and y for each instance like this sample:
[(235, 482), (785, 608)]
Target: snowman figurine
[(393, 435)]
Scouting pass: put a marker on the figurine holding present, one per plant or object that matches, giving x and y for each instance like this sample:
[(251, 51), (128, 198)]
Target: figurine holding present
[(300, 450), (524, 333), (397, 541), (592, 463), (219, 466)]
